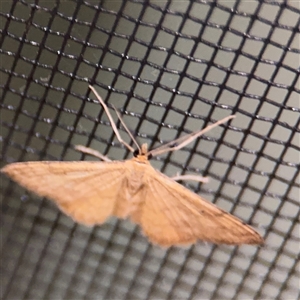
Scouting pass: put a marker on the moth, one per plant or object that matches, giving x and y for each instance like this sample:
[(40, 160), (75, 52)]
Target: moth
[(168, 213)]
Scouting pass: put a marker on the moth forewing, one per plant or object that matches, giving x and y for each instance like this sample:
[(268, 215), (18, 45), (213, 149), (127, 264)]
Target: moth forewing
[(86, 191), (173, 215), (168, 213)]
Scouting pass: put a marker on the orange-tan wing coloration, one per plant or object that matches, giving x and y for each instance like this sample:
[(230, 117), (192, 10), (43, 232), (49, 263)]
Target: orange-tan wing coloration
[(169, 213), (86, 191), (173, 215)]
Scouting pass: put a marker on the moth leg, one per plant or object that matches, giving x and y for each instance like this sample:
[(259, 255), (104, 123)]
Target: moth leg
[(91, 152), (186, 139), (191, 177)]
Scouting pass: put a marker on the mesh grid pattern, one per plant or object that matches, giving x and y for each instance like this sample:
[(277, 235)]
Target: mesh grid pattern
[(171, 68)]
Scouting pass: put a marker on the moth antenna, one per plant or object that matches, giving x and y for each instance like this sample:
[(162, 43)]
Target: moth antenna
[(112, 122), (186, 139), (126, 128)]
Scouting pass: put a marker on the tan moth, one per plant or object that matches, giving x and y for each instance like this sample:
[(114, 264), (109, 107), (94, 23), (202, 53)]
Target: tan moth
[(169, 213)]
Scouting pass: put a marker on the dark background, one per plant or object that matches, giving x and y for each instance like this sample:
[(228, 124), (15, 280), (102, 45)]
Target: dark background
[(171, 67)]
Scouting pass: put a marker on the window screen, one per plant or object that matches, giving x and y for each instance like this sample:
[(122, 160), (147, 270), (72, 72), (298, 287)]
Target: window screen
[(170, 68)]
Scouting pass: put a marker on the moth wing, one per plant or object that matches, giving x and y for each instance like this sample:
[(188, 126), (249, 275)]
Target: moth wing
[(86, 191), (173, 215)]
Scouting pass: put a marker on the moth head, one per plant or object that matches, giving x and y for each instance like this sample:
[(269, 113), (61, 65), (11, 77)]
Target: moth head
[(142, 152), (144, 149)]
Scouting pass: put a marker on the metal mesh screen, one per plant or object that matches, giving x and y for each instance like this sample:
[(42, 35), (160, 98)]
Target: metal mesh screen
[(171, 67)]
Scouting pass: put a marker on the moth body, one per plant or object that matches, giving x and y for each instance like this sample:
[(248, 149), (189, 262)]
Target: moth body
[(132, 193)]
